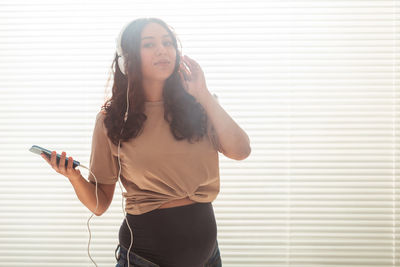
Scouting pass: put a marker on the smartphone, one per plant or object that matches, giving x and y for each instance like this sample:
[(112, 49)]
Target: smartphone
[(39, 150)]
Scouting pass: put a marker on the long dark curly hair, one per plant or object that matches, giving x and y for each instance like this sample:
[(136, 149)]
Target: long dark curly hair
[(186, 117)]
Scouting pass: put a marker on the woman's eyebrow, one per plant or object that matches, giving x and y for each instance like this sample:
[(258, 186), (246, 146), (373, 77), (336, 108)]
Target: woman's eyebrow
[(152, 37)]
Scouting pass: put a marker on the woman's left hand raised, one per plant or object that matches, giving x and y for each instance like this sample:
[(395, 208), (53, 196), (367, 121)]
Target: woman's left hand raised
[(193, 78)]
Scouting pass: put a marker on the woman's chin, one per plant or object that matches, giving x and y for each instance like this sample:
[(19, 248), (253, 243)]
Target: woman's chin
[(160, 76), (165, 76)]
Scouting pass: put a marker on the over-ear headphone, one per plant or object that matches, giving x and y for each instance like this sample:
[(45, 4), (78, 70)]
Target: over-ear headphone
[(121, 59)]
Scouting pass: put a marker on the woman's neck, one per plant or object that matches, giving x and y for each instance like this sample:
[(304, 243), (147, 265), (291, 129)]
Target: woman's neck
[(153, 90)]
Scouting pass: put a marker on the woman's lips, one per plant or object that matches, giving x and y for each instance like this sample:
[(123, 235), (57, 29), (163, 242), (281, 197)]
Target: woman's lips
[(162, 64)]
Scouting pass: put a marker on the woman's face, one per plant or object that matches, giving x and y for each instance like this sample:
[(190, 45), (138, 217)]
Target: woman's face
[(157, 53)]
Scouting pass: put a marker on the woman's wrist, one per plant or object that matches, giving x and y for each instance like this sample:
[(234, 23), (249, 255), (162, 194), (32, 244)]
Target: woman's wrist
[(75, 178)]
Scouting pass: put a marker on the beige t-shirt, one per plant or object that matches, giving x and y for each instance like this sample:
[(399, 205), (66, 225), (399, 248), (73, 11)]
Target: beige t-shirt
[(156, 168)]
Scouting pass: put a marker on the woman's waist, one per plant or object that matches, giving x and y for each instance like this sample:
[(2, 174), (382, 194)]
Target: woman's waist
[(177, 203), (171, 209)]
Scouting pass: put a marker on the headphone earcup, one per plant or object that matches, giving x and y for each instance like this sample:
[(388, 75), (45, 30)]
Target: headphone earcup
[(121, 64), (121, 59)]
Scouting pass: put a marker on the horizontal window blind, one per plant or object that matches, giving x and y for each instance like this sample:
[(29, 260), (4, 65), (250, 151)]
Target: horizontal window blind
[(315, 85)]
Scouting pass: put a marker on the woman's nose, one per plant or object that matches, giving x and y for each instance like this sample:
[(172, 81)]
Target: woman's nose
[(161, 49)]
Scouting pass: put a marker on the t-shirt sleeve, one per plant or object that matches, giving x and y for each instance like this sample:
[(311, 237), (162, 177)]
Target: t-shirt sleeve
[(103, 163), (212, 134)]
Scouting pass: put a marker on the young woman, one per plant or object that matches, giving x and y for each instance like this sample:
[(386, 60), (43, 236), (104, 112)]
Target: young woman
[(164, 150)]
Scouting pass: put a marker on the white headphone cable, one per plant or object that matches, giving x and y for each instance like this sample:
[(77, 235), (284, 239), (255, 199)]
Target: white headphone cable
[(119, 182), (121, 64), (87, 223), (119, 163)]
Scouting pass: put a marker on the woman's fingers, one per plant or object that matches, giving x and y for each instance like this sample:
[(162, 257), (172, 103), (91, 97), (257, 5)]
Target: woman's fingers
[(53, 160), (68, 171), (44, 157), (61, 164), (187, 66), (70, 162), (184, 71), (193, 65)]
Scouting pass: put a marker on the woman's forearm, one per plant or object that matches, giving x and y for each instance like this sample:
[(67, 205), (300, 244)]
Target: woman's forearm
[(234, 142), (86, 192)]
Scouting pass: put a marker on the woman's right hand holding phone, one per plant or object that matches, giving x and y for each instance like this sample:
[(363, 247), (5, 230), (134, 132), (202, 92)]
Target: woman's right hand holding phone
[(67, 171)]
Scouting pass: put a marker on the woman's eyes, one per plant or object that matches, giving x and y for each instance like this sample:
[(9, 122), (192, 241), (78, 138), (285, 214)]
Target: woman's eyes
[(150, 44)]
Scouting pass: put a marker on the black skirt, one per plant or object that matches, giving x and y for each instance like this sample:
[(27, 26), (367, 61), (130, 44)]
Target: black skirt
[(179, 236)]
